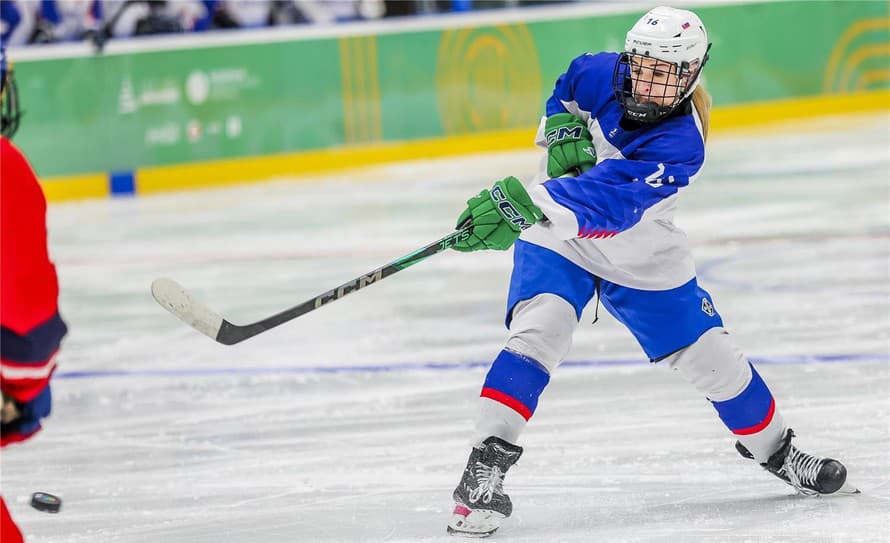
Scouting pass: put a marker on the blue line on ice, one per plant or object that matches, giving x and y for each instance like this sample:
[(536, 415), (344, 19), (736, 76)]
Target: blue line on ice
[(434, 366)]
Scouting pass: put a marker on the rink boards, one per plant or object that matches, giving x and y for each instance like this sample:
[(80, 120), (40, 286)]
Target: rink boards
[(203, 110)]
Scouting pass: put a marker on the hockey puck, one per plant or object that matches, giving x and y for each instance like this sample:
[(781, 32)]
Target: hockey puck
[(46, 502)]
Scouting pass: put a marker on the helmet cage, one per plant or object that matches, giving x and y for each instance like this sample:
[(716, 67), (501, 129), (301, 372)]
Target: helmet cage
[(664, 94), (10, 111)]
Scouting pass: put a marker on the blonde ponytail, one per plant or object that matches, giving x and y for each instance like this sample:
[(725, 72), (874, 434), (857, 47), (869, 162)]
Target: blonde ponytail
[(701, 100)]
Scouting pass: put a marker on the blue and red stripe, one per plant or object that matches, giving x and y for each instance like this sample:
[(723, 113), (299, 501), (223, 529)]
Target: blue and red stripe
[(751, 411), (515, 381)]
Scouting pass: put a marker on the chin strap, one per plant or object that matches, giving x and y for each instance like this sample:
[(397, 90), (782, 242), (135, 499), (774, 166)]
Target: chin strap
[(648, 112)]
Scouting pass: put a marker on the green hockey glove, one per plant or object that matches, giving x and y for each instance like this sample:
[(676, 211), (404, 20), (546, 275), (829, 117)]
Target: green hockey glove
[(498, 216), (569, 145)]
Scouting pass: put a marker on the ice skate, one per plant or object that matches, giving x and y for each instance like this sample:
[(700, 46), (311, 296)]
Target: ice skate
[(480, 502), (808, 474)]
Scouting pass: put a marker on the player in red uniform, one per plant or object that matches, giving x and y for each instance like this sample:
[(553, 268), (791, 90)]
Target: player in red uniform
[(30, 326)]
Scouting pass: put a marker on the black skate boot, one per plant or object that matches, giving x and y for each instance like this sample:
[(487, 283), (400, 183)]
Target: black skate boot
[(808, 474), (480, 502)]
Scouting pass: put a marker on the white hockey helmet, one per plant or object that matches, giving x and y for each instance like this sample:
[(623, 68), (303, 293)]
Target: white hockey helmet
[(676, 36)]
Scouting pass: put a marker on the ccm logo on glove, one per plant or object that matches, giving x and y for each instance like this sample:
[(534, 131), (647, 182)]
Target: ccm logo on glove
[(563, 132), (507, 210)]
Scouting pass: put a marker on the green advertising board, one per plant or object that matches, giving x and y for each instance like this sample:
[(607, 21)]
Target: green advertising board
[(144, 108)]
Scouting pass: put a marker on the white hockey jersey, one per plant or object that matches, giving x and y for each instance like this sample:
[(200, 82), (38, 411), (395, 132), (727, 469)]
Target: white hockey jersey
[(616, 219)]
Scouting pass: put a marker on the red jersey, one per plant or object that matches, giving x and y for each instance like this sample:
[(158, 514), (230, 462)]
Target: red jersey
[(31, 326)]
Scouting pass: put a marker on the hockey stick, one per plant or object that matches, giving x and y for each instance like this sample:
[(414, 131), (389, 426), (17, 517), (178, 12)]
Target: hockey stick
[(175, 299)]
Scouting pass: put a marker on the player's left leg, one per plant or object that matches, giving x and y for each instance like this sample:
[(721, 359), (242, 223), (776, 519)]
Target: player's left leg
[(682, 328), (719, 370)]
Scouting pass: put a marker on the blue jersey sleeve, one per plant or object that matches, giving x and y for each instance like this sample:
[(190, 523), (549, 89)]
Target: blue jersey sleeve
[(612, 196), (583, 83)]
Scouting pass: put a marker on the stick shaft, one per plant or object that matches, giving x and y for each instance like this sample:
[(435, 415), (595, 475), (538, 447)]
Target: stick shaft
[(230, 334)]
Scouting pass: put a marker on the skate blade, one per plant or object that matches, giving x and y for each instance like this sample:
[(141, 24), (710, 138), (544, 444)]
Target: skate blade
[(476, 523), (846, 490)]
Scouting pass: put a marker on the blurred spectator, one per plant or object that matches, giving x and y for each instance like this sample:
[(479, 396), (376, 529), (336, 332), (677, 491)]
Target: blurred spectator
[(64, 20), (399, 8), (244, 14), (136, 18), (285, 12), (10, 19), (216, 15), (329, 11), (46, 21)]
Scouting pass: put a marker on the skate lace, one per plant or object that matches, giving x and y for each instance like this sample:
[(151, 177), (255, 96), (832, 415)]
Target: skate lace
[(490, 480), (802, 470)]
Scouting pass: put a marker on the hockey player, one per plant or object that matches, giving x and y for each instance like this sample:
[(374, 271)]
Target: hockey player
[(30, 326), (625, 135)]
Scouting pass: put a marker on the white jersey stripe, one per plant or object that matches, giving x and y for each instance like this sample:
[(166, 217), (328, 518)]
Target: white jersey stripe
[(12, 373)]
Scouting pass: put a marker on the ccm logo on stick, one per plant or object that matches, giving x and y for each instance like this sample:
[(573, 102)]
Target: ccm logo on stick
[(343, 290)]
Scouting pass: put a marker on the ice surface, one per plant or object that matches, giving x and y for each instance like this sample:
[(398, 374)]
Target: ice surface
[(352, 423)]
